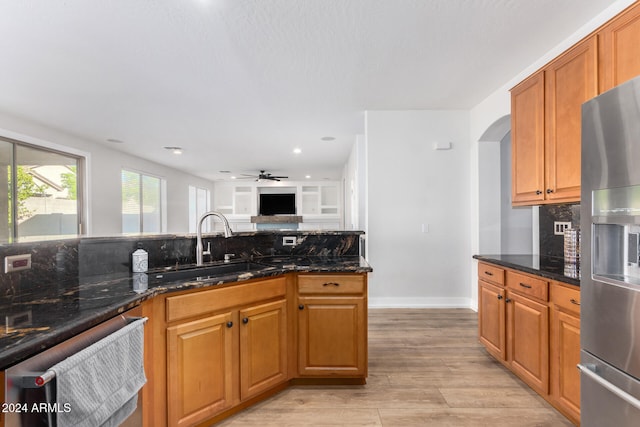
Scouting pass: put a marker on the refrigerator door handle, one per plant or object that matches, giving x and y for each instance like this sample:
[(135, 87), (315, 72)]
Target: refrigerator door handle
[(589, 371)]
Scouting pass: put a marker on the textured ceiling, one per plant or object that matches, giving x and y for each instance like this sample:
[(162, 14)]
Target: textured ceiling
[(239, 83)]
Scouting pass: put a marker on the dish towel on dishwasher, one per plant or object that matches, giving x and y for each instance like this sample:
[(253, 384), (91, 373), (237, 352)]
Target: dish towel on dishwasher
[(99, 385)]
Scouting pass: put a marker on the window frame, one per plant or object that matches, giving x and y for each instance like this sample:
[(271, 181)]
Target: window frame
[(81, 185), (162, 203)]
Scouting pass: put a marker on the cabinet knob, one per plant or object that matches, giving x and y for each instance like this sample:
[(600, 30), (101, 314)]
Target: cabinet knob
[(500, 296), (507, 300), (538, 192), (229, 324), (574, 301), (331, 284), (488, 273), (549, 191), (301, 307), (245, 320)]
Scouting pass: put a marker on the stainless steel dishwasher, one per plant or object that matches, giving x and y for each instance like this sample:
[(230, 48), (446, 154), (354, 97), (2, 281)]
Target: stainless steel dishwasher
[(30, 386)]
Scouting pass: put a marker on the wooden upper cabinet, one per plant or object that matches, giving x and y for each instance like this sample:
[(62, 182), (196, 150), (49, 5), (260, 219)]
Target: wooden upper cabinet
[(527, 136), (620, 48), (570, 80), (546, 113)]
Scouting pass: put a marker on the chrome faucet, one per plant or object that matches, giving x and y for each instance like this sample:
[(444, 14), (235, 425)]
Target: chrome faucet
[(199, 248)]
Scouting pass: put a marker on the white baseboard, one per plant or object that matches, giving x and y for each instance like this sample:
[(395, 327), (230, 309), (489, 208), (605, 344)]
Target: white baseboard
[(422, 303)]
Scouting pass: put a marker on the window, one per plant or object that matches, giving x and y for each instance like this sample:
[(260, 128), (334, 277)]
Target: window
[(142, 203), (199, 203), (44, 192)]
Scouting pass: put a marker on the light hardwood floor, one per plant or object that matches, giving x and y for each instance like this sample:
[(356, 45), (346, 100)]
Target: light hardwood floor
[(426, 368)]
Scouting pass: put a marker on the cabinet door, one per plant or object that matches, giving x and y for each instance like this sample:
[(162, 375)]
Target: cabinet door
[(570, 80), (332, 336), (528, 341), (565, 356), (620, 49), (263, 347), (200, 369), (491, 319), (527, 140)]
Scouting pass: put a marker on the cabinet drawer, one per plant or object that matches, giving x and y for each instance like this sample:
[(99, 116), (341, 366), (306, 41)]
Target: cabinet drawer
[(201, 302), (491, 273), (529, 286), (565, 297), (331, 284)]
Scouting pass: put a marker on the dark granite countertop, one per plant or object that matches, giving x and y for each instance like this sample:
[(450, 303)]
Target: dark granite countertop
[(549, 267), (60, 311)]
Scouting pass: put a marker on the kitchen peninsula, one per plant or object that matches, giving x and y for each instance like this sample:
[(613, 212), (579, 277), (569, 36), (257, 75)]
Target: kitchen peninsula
[(301, 295)]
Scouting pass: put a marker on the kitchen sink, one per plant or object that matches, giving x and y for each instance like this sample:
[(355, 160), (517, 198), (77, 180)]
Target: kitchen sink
[(210, 272)]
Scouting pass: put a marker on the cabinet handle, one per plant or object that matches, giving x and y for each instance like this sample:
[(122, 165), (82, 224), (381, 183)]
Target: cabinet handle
[(331, 284), (229, 324), (573, 301), (301, 307), (524, 285), (538, 192), (500, 297), (245, 320), (488, 273), (549, 191), (507, 300)]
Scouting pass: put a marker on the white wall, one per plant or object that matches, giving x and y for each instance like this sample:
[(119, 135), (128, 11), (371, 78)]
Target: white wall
[(104, 181), (410, 184)]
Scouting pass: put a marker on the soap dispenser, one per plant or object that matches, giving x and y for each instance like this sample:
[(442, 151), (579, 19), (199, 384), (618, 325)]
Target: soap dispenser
[(140, 260)]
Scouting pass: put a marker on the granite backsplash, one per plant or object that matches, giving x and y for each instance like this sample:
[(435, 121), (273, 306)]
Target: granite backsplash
[(552, 245), (61, 263)]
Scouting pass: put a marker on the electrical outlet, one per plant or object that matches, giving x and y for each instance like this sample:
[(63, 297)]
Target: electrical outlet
[(560, 226), (17, 263), (289, 241)]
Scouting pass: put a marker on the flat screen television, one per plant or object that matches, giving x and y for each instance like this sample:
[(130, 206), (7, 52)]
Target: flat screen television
[(277, 204)]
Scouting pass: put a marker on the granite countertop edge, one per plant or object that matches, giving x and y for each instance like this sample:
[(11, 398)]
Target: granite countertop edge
[(501, 261), (30, 342)]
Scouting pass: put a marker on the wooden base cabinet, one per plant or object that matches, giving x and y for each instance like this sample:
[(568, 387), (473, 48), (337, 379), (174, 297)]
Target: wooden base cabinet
[(223, 347), (565, 350), (332, 325), (528, 340), (491, 319), (200, 369), (532, 326), (263, 347)]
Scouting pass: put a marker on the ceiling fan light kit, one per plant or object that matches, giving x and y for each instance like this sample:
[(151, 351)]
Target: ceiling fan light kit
[(263, 176)]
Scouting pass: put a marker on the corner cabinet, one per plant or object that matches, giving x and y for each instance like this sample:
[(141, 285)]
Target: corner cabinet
[(223, 347), (546, 124), (532, 326), (332, 325), (217, 350)]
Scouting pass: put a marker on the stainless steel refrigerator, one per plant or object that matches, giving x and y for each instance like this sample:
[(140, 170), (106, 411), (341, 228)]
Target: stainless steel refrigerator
[(610, 255)]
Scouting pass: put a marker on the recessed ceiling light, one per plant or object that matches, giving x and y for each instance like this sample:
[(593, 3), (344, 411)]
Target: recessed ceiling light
[(328, 138), (297, 151), (115, 141), (174, 150), (233, 177), (307, 176)]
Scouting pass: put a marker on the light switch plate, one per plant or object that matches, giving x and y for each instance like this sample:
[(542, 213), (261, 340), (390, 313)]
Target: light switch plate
[(560, 226)]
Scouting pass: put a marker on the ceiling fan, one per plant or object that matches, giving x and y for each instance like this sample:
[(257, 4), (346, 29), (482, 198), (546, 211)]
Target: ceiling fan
[(265, 176)]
